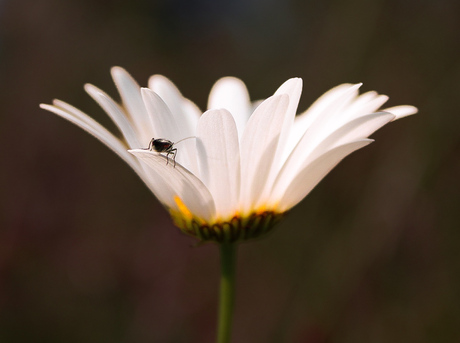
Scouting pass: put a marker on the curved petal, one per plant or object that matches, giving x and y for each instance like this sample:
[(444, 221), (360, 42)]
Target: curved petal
[(164, 122), (354, 130), (319, 128), (185, 111), (402, 111), (166, 125), (177, 181), (101, 133), (231, 93), (192, 114), (324, 102), (293, 88), (258, 144), (219, 159), (130, 93), (312, 174), (116, 114), (364, 104)]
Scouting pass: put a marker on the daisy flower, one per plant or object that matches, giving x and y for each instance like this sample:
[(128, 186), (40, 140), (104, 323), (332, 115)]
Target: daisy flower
[(247, 163)]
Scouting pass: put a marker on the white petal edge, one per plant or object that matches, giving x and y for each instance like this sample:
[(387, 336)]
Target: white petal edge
[(88, 124), (130, 93), (311, 175), (365, 103), (293, 88), (163, 121), (304, 119), (116, 114), (231, 93), (354, 130), (321, 127), (357, 129), (259, 142), (182, 108), (326, 105), (167, 125), (402, 111), (219, 159), (178, 181)]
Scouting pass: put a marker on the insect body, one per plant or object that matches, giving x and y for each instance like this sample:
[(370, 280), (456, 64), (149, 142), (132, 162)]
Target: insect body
[(166, 146)]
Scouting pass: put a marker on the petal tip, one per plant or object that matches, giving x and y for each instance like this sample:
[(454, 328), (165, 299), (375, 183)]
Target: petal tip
[(89, 88), (117, 71), (402, 111)]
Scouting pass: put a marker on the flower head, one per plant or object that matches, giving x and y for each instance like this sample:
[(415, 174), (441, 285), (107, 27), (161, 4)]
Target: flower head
[(248, 163)]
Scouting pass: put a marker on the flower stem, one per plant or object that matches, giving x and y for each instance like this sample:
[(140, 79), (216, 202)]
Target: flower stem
[(227, 291)]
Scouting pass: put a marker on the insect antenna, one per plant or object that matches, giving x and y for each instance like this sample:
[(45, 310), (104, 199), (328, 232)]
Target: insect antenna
[(183, 139)]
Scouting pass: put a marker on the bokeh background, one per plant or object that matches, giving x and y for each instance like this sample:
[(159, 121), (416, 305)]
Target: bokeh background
[(87, 254)]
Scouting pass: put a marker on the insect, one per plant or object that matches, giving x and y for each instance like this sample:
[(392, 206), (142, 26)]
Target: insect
[(165, 145)]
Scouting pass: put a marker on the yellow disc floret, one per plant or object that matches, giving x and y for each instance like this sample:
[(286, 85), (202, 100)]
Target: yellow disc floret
[(233, 229)]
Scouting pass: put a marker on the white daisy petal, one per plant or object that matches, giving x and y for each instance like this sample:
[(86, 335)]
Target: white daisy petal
[(258, 144), (167, 126), (130, 93), (163, 122), (364, 104), (185, 111), (95, 129), (91, 126), (192, 114), (318, 130), (326, 105), (75, 112), (312, 174), (215, 191), (115, 113), (231, 93), (307, 117), (177, 181), (219, 159), (402, 111), (331, 114), (356, 129), (293, 88)]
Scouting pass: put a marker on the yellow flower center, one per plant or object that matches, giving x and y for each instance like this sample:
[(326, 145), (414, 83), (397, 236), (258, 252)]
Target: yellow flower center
[(236, 228)]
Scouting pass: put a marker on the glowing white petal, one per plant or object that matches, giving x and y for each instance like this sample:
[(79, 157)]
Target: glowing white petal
[(94, 128), (130, 93), (163, 122), (364, 104), (258, 144), (116, 114), (327, 100), (354, 130), (293, 88), (180, 107), (178, 181), (331, 115), (313, 173), (231, 93), (319, 128), (167, 126), (219, 159), (402, 111), (357, 129), (241, 169)]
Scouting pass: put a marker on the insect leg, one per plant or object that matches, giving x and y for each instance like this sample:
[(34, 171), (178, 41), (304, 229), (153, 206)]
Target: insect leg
[(173, 152), (150, 147)]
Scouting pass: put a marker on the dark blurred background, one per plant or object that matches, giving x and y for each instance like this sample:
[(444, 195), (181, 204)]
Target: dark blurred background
[(87, 254)]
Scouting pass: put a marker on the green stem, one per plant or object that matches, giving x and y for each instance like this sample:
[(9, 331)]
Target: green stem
[(227, 291)]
